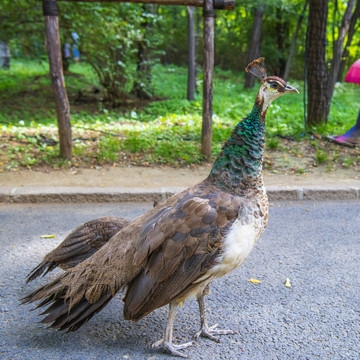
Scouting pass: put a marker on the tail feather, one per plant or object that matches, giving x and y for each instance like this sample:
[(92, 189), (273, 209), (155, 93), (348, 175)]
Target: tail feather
[(80, 314), (53, 311), (46, 293), (61, 313), (42, 269)]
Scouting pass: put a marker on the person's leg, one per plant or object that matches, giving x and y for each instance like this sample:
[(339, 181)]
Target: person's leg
[(352, 136)]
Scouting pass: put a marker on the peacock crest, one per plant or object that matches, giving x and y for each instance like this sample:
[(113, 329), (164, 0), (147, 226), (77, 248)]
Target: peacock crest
[(257, 68)]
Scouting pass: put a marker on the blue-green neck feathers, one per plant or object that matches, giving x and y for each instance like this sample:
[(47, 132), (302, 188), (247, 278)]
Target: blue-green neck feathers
[(239, 163)]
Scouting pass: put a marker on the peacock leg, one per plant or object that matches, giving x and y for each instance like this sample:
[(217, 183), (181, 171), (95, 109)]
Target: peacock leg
[(165, 344), (206, 330)]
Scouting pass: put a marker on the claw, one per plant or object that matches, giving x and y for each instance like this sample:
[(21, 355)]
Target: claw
[(170, 348), (209, 332)]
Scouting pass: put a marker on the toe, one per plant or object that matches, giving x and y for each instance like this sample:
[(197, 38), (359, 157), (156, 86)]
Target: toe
[(171, 348), (210, 332)]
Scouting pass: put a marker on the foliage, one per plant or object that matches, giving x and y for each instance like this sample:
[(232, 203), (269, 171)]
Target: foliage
[(110, 37), (22, 25), (163, 132)]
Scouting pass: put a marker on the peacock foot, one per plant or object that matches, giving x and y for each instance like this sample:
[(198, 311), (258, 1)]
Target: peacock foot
[(210, 331), (168, 347)]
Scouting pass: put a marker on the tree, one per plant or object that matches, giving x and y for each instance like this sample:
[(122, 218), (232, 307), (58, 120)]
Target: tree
[(352, 30), (321, 84), (293, 42), (282, 29), (338, 49), (191, 55), (22, 26), (317, 76), (142, 83), (116, 40), (57, 79), (255, 43)]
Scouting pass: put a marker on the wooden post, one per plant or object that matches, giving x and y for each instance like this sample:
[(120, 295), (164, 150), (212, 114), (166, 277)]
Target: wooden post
[(57, 77), (208, 68)]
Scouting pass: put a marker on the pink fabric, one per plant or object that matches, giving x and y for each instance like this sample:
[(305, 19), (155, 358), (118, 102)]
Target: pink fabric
[(353, 75)]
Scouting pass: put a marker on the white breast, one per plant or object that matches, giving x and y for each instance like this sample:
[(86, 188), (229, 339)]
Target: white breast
[(237, 245)]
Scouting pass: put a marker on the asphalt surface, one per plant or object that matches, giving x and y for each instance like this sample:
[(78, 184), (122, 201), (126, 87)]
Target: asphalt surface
[(314, 244)]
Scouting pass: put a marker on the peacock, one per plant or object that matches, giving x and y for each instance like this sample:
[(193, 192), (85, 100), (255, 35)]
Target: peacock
[(173, 252)]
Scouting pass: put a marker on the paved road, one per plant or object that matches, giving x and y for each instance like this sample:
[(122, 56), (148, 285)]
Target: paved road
[(315, 245)]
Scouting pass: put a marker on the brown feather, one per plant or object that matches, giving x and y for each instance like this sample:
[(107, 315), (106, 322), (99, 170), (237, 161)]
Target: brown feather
[(79, 245)]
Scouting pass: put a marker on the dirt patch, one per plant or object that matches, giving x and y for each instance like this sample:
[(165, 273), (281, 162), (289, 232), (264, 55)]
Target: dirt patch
[(158, 177), (286, 163)]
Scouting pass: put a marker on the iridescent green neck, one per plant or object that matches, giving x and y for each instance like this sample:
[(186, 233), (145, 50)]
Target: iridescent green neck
[(239, 164)]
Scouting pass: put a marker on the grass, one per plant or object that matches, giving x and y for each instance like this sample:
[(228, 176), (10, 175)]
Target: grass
[(322, 157), (166, 131)]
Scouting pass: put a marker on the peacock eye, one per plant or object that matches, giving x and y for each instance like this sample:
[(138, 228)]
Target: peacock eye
[(274, 85)]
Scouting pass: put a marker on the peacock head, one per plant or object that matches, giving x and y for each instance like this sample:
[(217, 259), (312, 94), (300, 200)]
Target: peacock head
[(272, 86)]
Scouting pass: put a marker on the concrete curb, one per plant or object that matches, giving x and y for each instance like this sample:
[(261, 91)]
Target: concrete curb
[(38, 195)]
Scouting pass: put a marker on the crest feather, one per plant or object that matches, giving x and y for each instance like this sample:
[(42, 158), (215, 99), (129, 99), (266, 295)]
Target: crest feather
[(257, 68)]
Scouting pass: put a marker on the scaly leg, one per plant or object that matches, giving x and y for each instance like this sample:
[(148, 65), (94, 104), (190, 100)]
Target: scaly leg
[(165, 344), (206, 330)]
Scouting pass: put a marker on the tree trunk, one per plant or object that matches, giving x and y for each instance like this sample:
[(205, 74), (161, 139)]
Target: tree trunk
[(197, 42), (282, 34), (338, 48), (57, 77), (142, 85), (208, 69), (293, 42), (352, 28), (317, 77), (255, 43), (191, 55)]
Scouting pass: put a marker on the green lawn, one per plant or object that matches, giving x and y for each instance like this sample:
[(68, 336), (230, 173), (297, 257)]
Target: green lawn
[(165, 131)]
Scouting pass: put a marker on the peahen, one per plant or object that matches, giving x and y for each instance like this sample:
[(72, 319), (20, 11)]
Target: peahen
[(172, 252)]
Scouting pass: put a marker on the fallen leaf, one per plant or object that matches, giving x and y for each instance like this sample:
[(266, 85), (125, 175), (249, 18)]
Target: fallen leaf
[(47, 236), (254, 281), (287, 283)]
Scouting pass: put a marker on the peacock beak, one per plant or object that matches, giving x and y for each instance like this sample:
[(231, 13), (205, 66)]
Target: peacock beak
[(289, 88)]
